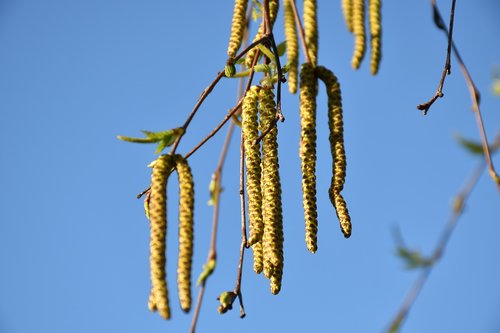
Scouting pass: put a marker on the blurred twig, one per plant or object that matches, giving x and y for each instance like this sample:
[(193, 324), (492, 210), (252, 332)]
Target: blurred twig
[(457, 209)]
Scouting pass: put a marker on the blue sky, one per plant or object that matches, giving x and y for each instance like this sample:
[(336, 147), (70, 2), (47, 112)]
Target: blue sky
[(74, 240)]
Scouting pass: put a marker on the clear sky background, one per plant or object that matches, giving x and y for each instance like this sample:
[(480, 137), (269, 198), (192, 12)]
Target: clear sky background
[(74, 240)]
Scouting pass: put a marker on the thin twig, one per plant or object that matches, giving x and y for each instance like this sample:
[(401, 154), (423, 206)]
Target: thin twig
[(237, 288), (216, 129), (438, 252), (196, 314), (447, 66), (302, 35), (475, 96), (212, 254)]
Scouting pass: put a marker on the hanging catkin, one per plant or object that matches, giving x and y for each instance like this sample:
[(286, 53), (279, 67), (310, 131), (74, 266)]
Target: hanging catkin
[(252, 162), (347, 10), (375, 35), (273, 12), (271, 194), (292, 49), (308, 92), (311, 29), (237, 27), (358, 23), (186, 205), (158, 221), (335, 123)]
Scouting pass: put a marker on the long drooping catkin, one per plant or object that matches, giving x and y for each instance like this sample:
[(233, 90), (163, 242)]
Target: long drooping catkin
[(336, 126), (273, 12), (158, 219), (252, 161), (186, 209), (375, 35), (271, 194), (237, 27), (292, 49), (311, 29), (308, 92), (358, 24), (347, 10)]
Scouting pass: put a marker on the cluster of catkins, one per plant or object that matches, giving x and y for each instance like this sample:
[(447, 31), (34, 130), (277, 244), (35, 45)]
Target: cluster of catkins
[(156, 210), (354, 15), (263, 187), (310, 72), (261, 156)]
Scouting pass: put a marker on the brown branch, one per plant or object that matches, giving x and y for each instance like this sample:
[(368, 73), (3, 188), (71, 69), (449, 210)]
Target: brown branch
[(216, 129), (438, 252), (447, 66), (237, 288), (302, 35), (475, 96)]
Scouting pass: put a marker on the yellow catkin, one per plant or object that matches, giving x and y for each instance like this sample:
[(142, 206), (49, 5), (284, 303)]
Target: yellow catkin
[(311, 29), (358, 24), (271, 194), (292, 49), (273, 12), (252, 161), (335, 123), (308, 92), (237, 27), (158, 219), (347, 10), (375, 35), (186, 209), (257, 257)]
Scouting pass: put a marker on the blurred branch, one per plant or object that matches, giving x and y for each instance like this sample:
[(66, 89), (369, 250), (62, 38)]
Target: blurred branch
[(457, 210), (438, 20)]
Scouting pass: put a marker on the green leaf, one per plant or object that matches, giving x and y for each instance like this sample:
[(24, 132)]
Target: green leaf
[(208, 269), (262, 68), (267, 52), (412, 258), (164, 138), (281, 48), (473, 147), (240, 61), (241, 74), (136, 140)]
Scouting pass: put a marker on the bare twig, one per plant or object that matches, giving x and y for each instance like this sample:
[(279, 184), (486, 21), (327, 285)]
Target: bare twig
[(237, 288), (228, 116), (301, 31), (475, 96), (447, 66)]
